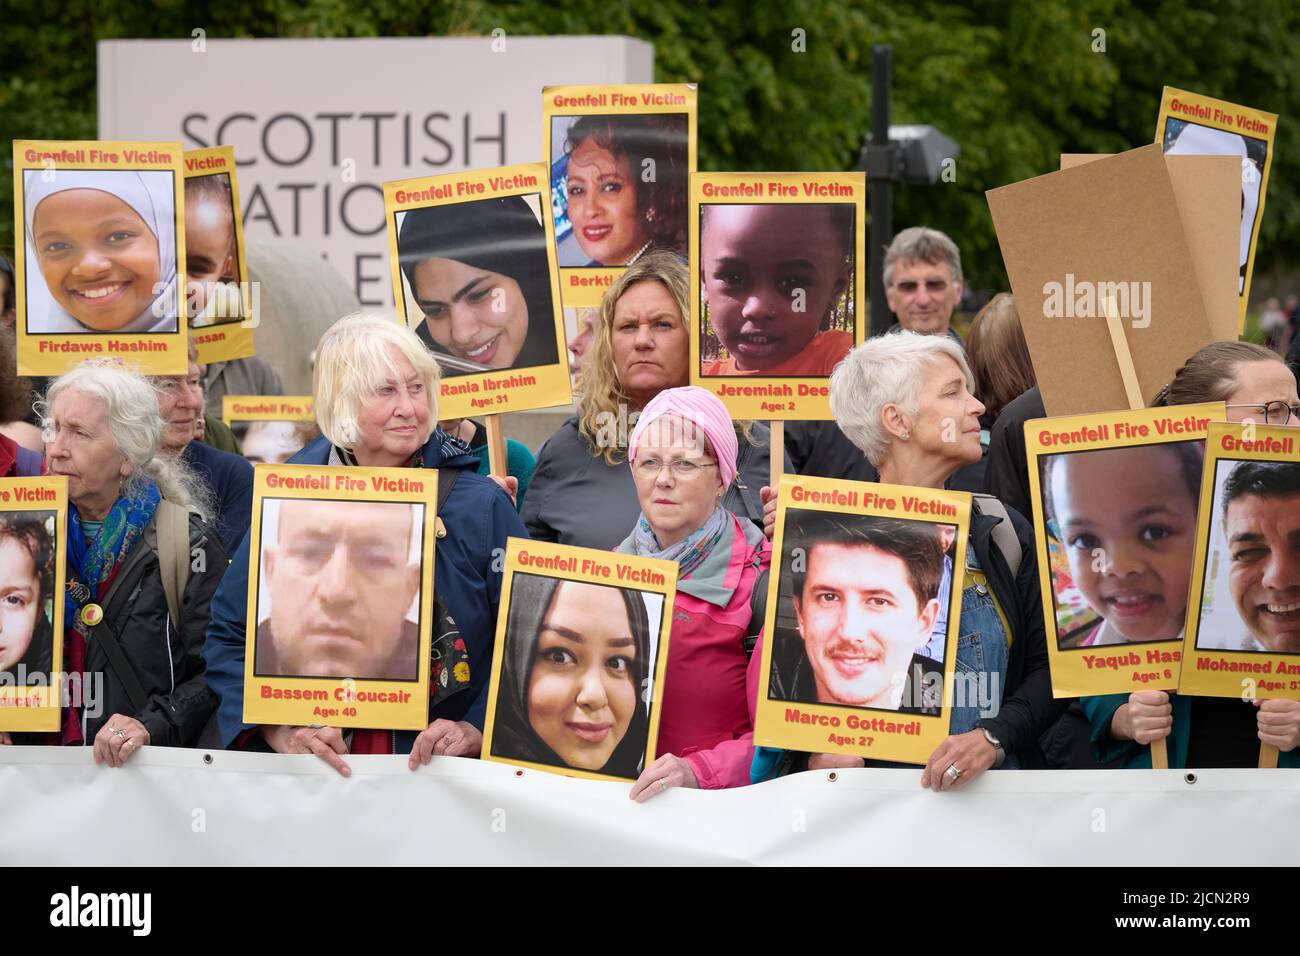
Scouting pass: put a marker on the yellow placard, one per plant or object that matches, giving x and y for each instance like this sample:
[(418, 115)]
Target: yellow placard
[(1115, 498), (1192, 124), (340, 596), (267, 408), (778, 285), (33, 525), (855, 660), (573, 619), (478, 245), (99, 237), (1243, 621), (220, 301), (619, 157)]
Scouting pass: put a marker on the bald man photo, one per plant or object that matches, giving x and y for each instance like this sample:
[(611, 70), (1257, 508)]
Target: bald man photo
[(340, 578)]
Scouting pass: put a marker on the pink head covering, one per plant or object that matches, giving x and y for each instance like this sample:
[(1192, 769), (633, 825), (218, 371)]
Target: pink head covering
[(702, 408)]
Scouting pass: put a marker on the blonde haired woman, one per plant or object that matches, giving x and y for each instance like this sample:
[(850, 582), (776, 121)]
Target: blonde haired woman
[(582, 492), (376, 402)]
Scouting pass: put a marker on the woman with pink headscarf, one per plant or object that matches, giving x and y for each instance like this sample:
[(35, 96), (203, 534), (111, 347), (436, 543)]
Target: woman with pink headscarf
[(683, 458)]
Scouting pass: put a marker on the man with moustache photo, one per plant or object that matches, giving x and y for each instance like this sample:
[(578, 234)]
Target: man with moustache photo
[(1261, 523), (865, 596)]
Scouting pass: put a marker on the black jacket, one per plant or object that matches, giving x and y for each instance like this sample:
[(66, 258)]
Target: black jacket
[(1028, 709), (1007, 475), (166, 660)]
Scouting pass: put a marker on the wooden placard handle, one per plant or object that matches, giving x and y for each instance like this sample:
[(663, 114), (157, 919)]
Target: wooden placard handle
[(776, 451), (1159, 755), (1127, 372), (1267, 757), (496, 442)]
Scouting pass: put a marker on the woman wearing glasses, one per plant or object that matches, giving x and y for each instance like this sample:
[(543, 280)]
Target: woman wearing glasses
[(1251, 380), (683, 458), (1257, 386)]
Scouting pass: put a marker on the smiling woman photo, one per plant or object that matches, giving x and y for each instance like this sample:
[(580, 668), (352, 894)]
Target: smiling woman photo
[(625, 187), (478, 272), (105, 244), (576, 658)]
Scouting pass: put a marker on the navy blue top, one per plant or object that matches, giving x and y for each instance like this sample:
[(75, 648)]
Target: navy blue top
[(231, 480), (467, 567)]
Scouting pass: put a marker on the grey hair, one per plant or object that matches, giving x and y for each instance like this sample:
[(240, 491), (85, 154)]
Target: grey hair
[(885, 369), (922, 244), (137, 427)]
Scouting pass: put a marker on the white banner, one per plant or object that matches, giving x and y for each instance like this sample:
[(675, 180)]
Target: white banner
[(175, 808), (319, 124)]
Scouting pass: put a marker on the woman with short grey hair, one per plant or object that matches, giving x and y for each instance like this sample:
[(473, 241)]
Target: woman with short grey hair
[(136, 529), (376, 401), (905, 400)]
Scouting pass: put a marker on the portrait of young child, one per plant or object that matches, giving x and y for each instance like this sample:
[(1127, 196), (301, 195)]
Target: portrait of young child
[(775, 280), (101, 251)]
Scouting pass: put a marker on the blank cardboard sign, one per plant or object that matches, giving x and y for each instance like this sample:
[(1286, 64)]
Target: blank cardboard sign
[(1073, 239), (1208, 191)]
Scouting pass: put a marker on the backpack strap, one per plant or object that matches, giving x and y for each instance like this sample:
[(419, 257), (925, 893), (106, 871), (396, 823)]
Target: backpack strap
[(446, 479), (757, 612), (1004, 533), (174, 555)]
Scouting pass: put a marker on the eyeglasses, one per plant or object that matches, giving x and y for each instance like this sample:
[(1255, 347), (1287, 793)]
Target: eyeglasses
[(1275, 413), (682, 468), (932, 286)]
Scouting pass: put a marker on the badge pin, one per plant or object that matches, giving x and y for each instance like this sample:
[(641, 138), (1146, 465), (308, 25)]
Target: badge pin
[(91, 615)]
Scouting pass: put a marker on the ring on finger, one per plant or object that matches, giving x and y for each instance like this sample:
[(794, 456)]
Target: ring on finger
[(953, 773), (662, 785)]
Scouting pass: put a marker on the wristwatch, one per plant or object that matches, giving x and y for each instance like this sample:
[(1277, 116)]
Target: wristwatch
[(1000, 754)]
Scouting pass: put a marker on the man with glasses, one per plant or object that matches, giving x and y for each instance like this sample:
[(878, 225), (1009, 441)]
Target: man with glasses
[(923, 281), (229, 477)]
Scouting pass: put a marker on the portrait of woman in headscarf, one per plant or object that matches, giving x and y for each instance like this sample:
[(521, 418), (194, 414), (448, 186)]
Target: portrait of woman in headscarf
[(100, 251), (573, 675), (479, 273)]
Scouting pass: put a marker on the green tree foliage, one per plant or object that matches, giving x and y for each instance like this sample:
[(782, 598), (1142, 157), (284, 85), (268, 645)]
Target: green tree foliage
[(1015, 84)]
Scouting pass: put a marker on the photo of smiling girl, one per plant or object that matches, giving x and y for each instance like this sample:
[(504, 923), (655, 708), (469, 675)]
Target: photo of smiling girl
[(1125, 520), (574, 676), (101, 251), (776, 286), (478, 273), (26, 593)]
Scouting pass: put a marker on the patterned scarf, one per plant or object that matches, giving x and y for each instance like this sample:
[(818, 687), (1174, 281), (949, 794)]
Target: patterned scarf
[(95, 564), (690, 552)]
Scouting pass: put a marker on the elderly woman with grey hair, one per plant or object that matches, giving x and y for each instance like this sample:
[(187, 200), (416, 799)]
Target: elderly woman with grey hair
[(137, 527), (376, 401), (905, 400)]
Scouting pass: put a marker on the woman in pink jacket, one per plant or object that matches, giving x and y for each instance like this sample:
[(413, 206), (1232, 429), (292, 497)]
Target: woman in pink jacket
[(683, 457)]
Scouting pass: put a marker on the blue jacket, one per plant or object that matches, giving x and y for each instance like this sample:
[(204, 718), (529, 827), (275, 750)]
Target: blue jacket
[(467, 568), (230, 478)]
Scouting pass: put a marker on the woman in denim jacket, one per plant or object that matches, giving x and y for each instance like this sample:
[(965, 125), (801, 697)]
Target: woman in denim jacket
[(905, 400)]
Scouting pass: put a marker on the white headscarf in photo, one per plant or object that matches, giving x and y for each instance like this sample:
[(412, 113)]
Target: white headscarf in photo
[(152, 195), (1197, 140)]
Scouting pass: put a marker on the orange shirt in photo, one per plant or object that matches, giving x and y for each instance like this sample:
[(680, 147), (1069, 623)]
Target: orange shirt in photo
[(819, 357)]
